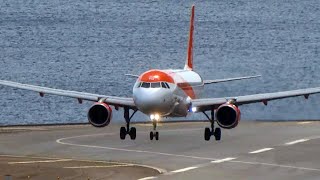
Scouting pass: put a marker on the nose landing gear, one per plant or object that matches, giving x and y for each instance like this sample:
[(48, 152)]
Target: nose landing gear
[(154, 133), (132, 132), (208, 132)]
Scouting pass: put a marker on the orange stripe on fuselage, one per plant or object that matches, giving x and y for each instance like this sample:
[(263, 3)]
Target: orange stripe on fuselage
[(185, 86)]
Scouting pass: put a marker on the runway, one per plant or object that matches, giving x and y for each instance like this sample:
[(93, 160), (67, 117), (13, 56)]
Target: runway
[(253, 150)]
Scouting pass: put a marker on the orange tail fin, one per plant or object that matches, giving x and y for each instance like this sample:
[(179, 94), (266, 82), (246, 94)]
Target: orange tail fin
[(189, 61)]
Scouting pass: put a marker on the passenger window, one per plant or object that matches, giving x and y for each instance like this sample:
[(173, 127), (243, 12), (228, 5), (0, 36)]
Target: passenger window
[(155, 85), (163, 85), (145, 85)]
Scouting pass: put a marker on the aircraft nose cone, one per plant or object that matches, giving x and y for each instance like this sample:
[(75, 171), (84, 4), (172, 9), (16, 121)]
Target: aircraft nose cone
[(152, 101)]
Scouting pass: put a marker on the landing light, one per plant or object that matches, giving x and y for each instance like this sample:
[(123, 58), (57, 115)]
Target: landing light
[(194, 109), (157, 117)]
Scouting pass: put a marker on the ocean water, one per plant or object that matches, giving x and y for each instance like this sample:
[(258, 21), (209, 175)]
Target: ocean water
[(90, 45)]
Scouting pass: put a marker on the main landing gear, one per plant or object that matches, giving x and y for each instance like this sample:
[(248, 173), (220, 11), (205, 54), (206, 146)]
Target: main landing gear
[(154, 134), (132, 132), (208, 132)]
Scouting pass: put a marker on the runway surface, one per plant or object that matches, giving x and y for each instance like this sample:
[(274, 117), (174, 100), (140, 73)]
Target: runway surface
[(253, 150)]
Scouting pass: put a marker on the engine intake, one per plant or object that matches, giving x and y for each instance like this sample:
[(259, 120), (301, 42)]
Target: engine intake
[(228, 116), (100, 114)]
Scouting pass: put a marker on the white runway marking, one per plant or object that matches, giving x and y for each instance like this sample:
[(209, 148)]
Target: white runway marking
[(86, 167), (23, 128), (184, 169), (132, 150), (61, 141), (297, 141), (45, 161), (277, 165), (223, 160), (17, 156), (147, 178), (305, 122), (260, 150), (200, 165), (161, 171), (148, 125)]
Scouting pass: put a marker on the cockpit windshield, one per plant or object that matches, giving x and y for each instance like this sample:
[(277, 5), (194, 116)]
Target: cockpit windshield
[(145, 85), (153, 85)]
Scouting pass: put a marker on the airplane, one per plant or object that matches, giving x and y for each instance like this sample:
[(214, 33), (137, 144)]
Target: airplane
[(168, 93)]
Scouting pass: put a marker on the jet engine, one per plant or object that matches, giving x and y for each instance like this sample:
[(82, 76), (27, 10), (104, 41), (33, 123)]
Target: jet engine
[(228, 115), (100, 114)]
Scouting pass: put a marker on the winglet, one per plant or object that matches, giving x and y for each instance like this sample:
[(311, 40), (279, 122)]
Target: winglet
[(189, 61)]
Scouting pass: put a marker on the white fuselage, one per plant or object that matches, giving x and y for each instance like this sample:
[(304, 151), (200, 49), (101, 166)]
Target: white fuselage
[(167, 92)]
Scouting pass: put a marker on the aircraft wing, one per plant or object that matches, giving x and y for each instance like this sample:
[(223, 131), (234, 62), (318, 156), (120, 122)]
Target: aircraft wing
[(112, 100), (229, 79), (132, 75), (209, 103)]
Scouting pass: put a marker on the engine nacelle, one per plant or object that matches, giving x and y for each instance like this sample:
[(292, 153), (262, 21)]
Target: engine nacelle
[(100, 114), (228, 116)]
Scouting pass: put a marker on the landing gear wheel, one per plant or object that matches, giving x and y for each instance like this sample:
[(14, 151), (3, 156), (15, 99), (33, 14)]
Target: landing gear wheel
[(217, 134), (157, 135), (154, 134), (207, 134), (133, 133), (123, 133), (151, 135)]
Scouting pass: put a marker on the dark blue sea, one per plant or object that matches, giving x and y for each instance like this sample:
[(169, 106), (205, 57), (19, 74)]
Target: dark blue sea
[(88, 45)]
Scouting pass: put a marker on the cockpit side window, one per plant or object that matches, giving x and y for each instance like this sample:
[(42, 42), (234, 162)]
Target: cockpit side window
[(145, 85), (163, 85), (155, 85), (138, 84), (167, 85)]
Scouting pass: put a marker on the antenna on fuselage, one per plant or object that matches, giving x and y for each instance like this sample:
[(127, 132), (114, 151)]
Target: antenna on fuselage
[(189, 61)]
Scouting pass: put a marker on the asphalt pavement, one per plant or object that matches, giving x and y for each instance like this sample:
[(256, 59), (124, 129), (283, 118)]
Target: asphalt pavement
[(253, 150)]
